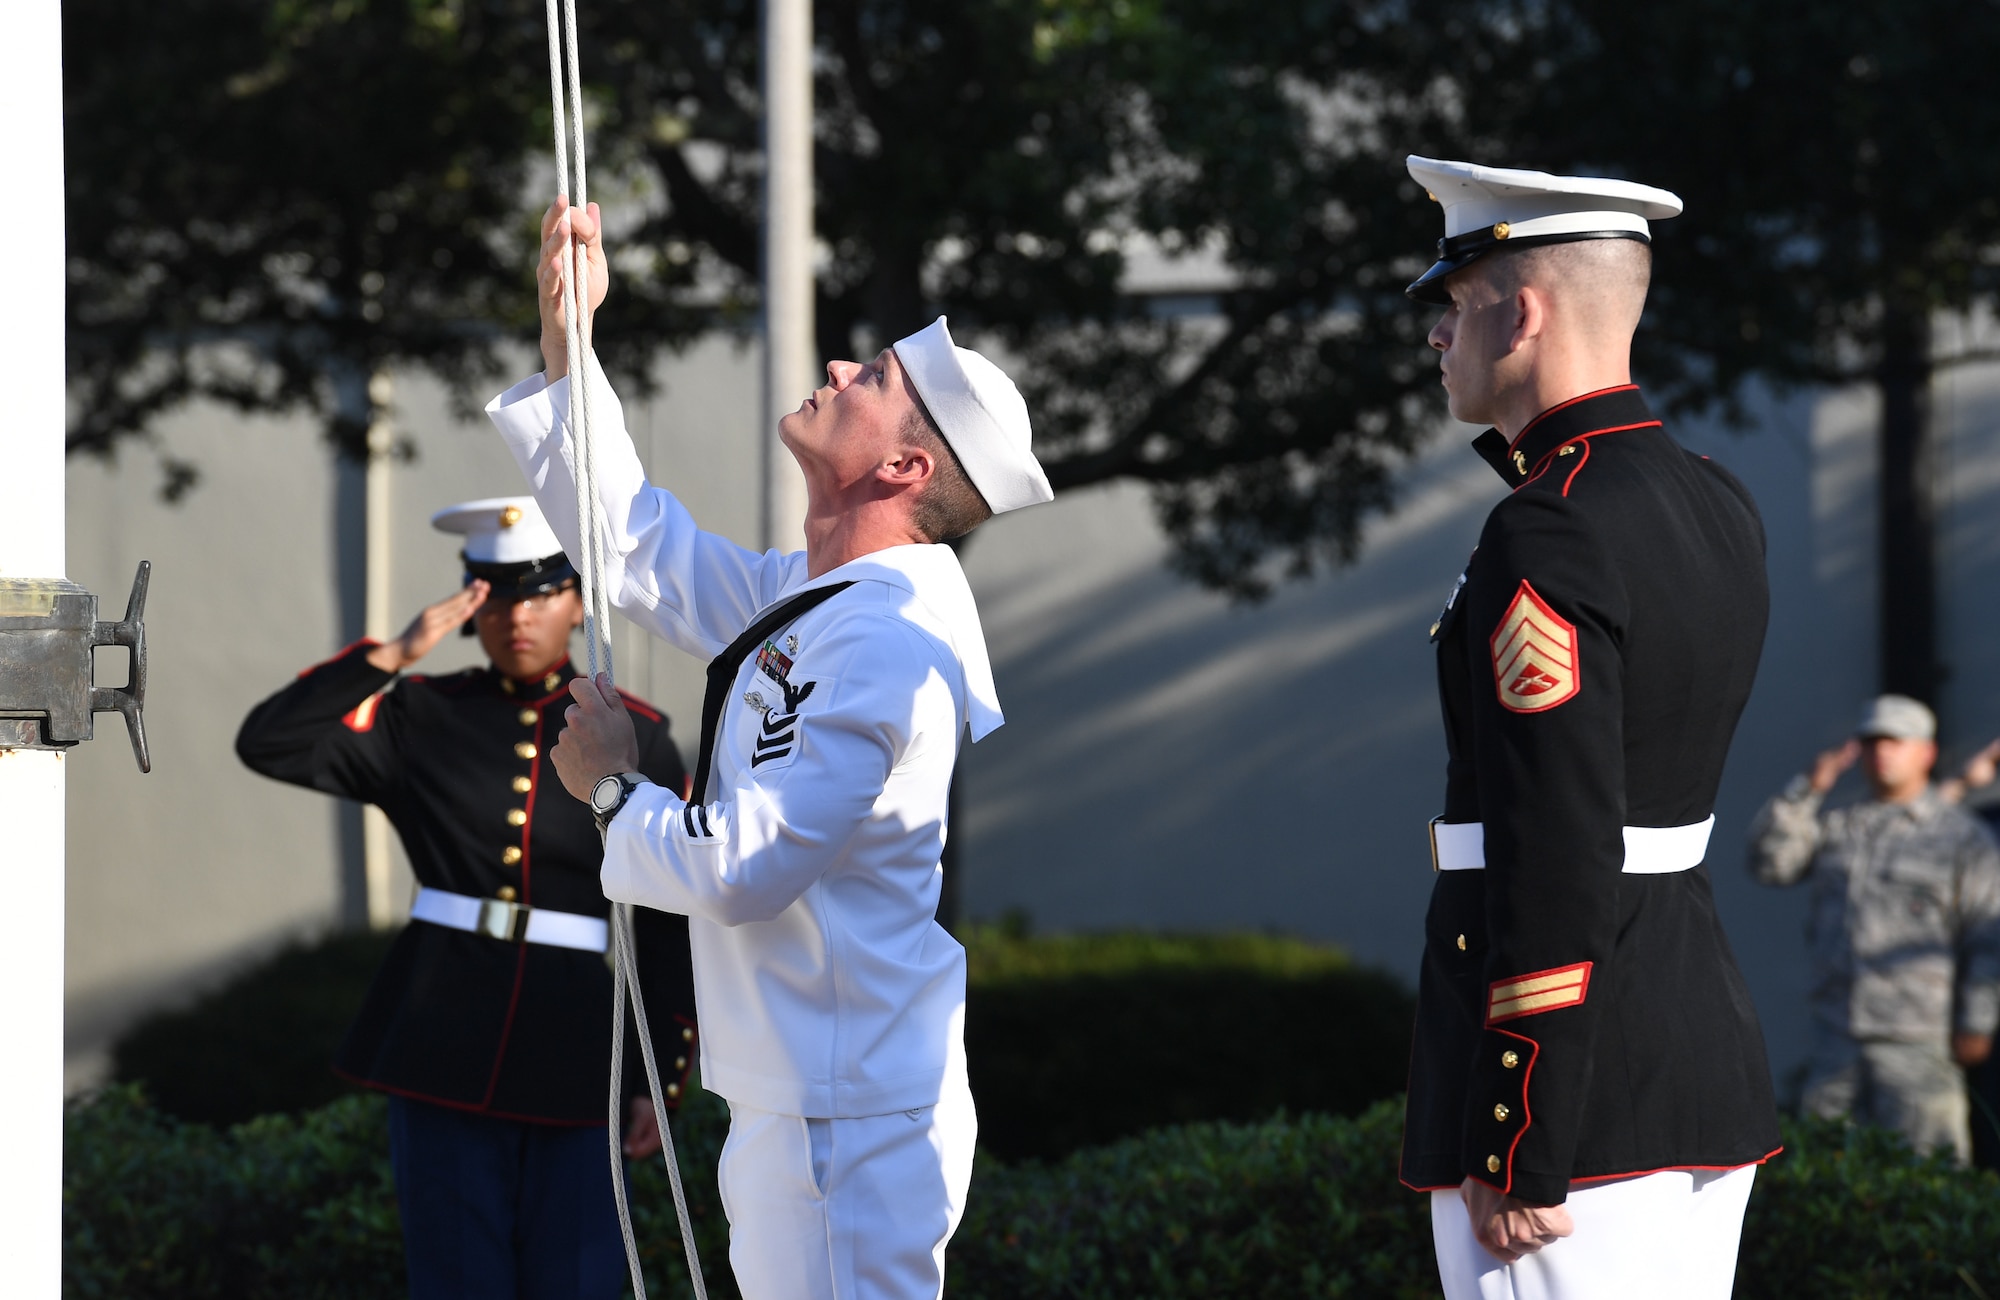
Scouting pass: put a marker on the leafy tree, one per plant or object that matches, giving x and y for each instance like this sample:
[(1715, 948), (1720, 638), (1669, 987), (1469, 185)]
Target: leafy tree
[(1843, 195), (270, 199), (1002, 162)]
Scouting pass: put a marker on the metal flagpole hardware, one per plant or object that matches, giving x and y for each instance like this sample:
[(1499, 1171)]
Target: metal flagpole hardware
[(591, 538), (48, 629)]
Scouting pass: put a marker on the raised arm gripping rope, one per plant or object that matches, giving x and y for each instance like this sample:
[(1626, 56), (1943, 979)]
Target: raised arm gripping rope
[(591, 531)]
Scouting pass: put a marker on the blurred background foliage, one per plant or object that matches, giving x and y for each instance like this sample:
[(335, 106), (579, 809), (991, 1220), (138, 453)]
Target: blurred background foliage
[(303, 1208), (1073, 1039), (269, 199)]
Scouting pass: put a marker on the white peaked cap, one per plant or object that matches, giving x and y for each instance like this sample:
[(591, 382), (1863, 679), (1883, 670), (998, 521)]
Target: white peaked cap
[(1487, 209), (500, 530), (980, 413)]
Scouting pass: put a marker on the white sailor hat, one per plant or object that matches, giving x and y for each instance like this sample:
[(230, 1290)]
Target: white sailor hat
[(508, 543), (980, 413), (1492, 208)]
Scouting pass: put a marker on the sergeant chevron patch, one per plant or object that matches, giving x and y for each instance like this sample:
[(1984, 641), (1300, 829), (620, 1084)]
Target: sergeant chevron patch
[(1534, 655), (1544, 990)]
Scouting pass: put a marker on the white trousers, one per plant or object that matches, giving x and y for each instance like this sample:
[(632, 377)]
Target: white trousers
[(846, 1209), (1664, 1236)]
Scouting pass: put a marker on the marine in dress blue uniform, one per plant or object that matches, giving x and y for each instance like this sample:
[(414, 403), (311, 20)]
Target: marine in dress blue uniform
[(1584, 1039), (488, 1024)]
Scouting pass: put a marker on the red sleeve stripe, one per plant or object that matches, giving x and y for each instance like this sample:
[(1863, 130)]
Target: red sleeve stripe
[(639, 706), (362, 716), (1544, 990)]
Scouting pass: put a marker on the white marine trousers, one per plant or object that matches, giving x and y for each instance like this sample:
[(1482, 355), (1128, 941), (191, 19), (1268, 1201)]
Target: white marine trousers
[(1665, 1236), (846, 1209)]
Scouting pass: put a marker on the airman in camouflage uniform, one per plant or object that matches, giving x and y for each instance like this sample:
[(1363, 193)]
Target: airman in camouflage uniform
[(1904, 928)]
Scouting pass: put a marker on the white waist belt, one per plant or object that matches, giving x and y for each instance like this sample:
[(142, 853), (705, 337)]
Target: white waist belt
[(511, 921), (1649, 850)]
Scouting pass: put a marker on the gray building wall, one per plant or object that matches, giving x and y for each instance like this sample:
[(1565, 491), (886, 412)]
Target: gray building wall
[(1170, 759)]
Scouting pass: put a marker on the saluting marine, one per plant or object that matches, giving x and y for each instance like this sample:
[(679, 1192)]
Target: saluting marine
[(1588, 1087), (488, 1024)]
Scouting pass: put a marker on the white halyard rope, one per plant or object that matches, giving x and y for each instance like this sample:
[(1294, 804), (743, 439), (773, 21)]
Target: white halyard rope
[(591, 533)]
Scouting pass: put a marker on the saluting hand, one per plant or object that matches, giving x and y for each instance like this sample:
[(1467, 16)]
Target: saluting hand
[(553, 266), (430, 627), (1826, 769), (1508, 1227), (597, 739)]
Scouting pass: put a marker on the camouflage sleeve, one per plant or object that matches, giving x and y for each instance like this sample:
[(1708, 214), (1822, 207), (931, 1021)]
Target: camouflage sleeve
[(1785, 835), (1979, 945)]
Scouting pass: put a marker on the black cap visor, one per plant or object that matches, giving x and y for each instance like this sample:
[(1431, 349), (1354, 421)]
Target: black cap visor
[(523, 579), (1460, 251)]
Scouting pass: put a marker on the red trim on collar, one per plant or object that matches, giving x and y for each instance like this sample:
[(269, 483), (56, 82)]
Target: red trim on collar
[(639, 706), (536, 680), (1548, 457), (1563, 406)]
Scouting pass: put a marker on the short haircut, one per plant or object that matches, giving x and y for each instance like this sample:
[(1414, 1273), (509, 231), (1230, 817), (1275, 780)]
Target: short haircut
[(1608, 277), (948, 506)]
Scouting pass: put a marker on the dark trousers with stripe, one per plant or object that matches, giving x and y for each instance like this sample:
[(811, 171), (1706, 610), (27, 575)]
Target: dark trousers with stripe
[(499, 1209)]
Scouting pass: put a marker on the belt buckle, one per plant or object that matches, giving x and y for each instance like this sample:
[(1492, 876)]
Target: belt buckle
[(1432, 828), (503, 920)]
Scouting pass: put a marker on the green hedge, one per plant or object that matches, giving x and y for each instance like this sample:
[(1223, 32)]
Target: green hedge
[(301, 1208), (1074, 1040)]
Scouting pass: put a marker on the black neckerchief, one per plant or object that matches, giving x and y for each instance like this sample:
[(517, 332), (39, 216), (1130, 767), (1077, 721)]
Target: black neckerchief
[(722, 675)]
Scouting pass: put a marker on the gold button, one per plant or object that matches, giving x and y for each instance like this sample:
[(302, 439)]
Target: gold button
[(505, 893), (680, 1063), (522, 785), (1500, 1112), (529, 717), (1510, 1059), (673, 1090), (515, 817), (1501, 230), (1493, 1164), (687, 1034), (550, 682), (525, 749), (511, 855), (1461, 943)]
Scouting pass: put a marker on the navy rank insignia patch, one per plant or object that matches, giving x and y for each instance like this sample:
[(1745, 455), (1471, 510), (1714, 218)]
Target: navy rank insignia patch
[(1544, 990), (1534, 655)]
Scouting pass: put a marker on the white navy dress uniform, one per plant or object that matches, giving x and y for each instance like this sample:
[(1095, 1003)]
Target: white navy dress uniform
[(831, 1001)]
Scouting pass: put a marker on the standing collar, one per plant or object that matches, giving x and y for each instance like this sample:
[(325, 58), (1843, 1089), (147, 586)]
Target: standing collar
[(930, 572), (1608, 410), (551, 680)]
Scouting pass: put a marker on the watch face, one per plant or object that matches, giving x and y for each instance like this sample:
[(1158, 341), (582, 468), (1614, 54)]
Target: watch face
[(605, 793)]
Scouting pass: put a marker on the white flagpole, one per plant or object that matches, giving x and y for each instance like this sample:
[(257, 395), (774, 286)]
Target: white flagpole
[(31, 781), (791, 367)]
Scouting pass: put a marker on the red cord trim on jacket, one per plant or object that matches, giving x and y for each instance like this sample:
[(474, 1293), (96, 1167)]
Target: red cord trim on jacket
[(366, 642), (507, 1026), (1527, 1113), (1668, 1169), (639, 706), (1563, 406), (528, 815), (1548, 457), (1581, 460), (448, 1103)]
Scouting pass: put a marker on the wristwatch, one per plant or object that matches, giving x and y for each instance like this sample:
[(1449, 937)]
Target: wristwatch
[(609, 795)]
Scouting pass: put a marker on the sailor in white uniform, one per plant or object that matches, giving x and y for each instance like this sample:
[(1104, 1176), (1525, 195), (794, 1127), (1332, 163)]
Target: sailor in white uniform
[(807, 860)]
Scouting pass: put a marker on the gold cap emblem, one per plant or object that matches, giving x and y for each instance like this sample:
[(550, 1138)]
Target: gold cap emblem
[(510, 516), (1501, 230)]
